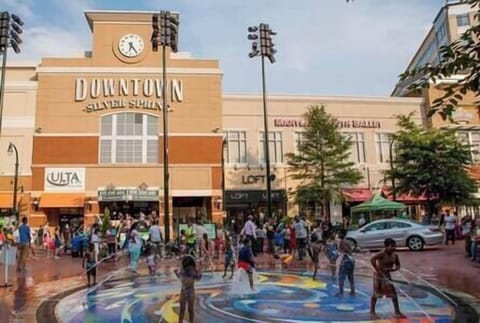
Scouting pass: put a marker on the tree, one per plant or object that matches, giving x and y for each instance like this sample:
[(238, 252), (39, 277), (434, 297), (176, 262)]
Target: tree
[(461, 57), (431, 163), (322, 163)]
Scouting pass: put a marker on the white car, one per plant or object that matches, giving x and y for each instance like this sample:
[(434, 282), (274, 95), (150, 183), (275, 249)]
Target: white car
[(406, 233)]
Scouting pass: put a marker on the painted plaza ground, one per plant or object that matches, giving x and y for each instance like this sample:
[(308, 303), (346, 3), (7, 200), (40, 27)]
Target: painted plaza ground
[(54, 290)]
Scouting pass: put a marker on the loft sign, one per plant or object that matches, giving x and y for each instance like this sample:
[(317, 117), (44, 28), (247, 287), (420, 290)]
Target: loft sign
[(64, 179), (117, 93), (255, 179)]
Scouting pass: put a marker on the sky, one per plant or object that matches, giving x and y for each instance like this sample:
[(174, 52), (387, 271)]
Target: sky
[(324, 47)]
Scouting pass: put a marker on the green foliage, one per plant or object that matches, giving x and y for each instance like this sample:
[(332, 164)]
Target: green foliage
[(462, 57), (106, 221), (431, 163), (322, 164)]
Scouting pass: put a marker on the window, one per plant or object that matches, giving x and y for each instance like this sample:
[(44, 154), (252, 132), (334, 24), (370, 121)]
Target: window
[(471, 138), (441, 35), (236, 149), (358, 146), (275, 147), (463, 20), (399, 225), (299, 140), (383, 146), (376, 227), (128, 138)]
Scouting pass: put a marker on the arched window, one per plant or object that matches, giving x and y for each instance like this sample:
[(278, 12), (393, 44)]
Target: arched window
[(127, 138)]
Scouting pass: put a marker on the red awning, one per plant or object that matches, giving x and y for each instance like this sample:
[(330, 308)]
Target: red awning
[(357, 194), (403, 197)]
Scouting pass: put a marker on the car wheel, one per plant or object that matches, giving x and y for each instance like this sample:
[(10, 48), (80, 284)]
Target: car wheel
[(352, 243), (415, 243)]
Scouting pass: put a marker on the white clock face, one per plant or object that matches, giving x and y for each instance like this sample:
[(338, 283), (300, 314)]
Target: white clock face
[(131, 45)]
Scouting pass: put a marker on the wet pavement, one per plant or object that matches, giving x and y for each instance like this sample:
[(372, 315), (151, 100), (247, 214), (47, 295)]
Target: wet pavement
[(60, 281)]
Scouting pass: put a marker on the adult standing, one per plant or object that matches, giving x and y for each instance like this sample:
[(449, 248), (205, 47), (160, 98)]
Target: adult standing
[(200, 231), (95, 240), (249, 232), (191, 237), (301, 236), (24, 233), (450, 223), (156, 237)]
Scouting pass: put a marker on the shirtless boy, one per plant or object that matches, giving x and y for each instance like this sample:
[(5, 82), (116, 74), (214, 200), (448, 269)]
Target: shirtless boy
[(384, 263)]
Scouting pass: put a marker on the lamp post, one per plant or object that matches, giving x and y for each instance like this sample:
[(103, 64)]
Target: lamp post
[(264, 33), (13, 149), (10, 29), (165, 33), (390, 156), (224, 207)]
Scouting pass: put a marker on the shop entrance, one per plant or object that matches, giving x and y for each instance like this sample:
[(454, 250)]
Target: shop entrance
[(197, 208)]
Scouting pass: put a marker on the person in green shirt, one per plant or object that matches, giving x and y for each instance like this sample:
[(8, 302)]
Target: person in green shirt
[(191, 235)]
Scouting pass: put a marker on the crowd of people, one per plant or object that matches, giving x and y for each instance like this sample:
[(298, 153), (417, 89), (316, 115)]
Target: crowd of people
[(283, 240)]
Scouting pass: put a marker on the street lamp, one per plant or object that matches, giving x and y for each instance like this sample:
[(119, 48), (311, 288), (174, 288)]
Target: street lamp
[(13, 149), (392, 176), (264, 34), (224, 145), (10, 29), (165, 33)]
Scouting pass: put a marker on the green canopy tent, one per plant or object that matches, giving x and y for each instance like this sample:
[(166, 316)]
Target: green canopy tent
[(374, 204)]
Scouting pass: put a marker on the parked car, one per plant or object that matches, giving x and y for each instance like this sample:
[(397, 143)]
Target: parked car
[(406, 233)]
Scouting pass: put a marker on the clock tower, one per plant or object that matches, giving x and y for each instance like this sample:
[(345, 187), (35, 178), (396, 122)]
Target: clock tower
[(122, 38)]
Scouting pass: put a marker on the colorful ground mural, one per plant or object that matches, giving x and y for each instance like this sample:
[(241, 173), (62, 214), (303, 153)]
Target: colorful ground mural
[(280, 297)]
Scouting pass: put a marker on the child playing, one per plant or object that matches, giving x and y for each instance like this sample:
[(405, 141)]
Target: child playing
[(207, 251), (332, 255), (245, 260), (229, 258), (347, 266), (152, 261), (314, 251), (384, 263), (90, 265), (183, 242), (188, 274)]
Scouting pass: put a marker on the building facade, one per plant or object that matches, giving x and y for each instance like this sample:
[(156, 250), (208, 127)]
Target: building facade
[(97, 135), (368, 121), (452, 20)]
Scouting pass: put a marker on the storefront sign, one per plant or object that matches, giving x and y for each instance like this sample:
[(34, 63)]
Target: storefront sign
[(112, 90), (64, 179), (253, 196), (112, 195), (256, 179), (142, 195), (299, 123)]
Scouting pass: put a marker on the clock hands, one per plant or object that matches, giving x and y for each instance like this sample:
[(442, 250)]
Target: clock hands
[(130, 47)]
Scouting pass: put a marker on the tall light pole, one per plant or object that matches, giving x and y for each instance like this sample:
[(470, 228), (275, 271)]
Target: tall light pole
[(13, 149), (9, 37), (264, 34), (224, 208), (165, 33), (392, 176)]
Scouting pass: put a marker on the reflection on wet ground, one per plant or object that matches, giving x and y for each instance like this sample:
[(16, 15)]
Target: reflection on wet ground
[(279, 296), (61, 281)]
